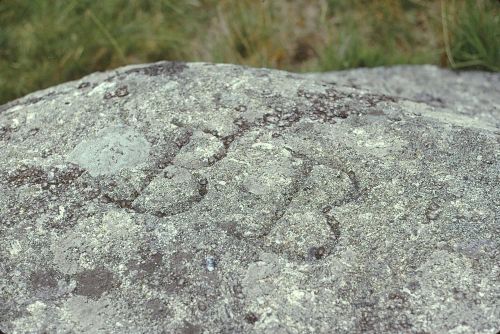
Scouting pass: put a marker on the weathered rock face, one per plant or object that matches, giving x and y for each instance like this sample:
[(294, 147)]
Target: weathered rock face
[(198, 198), (475, 94)]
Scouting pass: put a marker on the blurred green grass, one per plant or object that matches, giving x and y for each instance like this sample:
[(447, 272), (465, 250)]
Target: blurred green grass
[(45, 42)]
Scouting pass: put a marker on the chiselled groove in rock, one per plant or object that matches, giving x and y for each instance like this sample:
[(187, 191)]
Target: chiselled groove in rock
[(353, 195), (297, 186), (184, 139), (180, 142), (121, 203), (201, 189), (332, 222), (334, 225)]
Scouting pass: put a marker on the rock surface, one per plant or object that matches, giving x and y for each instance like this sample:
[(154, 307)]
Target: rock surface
[(199, 198), (474, 94)]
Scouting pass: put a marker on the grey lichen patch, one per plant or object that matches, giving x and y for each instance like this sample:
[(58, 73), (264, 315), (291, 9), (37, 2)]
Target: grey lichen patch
[(112, 149), (381, 144), (258, 277), (96, 310)]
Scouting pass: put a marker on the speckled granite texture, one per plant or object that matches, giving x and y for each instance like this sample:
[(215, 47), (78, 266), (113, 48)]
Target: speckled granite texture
[(201, 198)]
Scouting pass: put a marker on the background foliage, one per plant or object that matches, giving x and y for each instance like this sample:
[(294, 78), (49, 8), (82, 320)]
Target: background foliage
[(44, 42)]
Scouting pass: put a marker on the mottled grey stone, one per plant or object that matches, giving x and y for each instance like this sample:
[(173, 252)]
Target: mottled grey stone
[(475, 94), (113, 149), (201, 198)]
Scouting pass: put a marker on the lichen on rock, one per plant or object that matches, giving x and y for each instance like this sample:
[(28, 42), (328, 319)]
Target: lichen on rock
[(203, 198)]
